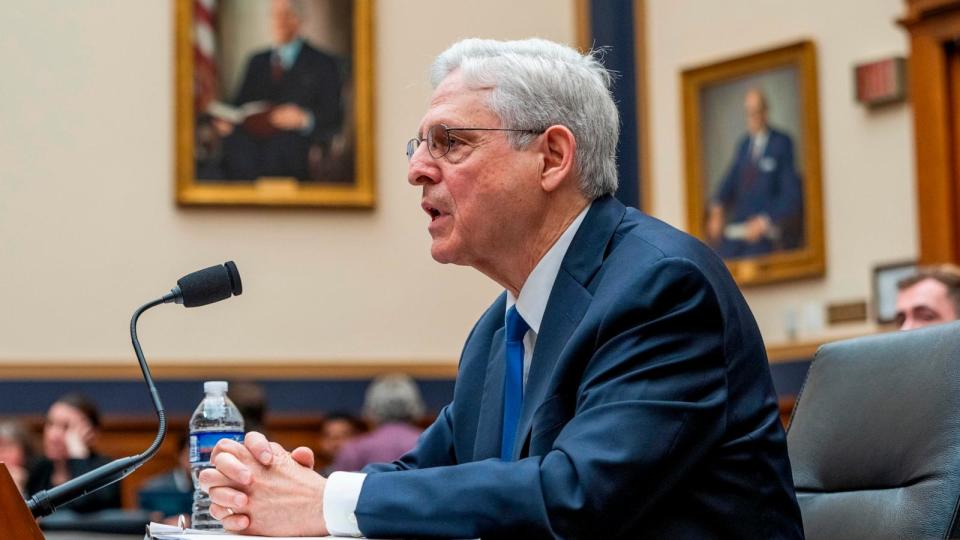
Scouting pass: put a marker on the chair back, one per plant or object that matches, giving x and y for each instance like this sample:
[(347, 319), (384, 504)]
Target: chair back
[(874, 440)]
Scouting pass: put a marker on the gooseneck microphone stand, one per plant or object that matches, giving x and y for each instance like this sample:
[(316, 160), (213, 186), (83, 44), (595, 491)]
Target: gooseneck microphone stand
[(45, 502), (199, 288)]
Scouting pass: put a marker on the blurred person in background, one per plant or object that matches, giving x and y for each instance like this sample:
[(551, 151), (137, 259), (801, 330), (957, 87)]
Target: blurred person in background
[(251, 401), (931, 296), (69, 434), (338, 428), (392, 404), (170, 493), (16, 451)]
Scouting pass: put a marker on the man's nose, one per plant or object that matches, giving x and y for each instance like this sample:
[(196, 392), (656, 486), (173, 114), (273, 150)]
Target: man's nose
[(422, 168), (909, 324)]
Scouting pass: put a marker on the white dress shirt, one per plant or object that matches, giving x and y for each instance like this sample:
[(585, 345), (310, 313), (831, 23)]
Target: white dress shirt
[(343, 488), (759, 145)]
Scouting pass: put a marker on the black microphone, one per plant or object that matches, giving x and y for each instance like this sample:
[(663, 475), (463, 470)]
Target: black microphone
[(197, 289), (207, 286)]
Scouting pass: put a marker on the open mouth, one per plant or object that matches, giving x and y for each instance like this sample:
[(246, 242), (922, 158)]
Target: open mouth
[(434, 213)]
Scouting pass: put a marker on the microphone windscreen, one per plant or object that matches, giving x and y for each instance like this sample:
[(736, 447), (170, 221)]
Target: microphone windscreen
[(235, 285), (210, 285)]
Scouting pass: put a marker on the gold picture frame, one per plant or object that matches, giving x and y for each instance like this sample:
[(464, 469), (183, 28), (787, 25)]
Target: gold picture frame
[(722, 158), (330, 162)]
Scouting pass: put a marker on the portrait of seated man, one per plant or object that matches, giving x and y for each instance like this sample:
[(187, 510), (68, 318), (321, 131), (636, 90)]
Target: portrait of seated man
[(287, 111), (757, 208)]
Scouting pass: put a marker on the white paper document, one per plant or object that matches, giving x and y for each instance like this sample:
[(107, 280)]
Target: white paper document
[(236, 115), (159, 531)]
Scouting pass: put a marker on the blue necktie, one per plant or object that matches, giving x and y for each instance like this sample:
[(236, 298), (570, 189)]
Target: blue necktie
[(516, 327)]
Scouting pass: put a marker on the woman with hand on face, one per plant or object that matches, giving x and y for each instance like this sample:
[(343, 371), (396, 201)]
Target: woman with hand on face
[(71, 427)]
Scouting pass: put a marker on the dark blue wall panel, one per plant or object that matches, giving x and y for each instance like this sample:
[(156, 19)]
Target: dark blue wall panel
[(286, 397), (788, 377), (180, 397), (611, 26)]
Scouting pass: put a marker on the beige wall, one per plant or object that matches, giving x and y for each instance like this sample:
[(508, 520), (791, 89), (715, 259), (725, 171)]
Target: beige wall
[(867, 165), (88, 228)]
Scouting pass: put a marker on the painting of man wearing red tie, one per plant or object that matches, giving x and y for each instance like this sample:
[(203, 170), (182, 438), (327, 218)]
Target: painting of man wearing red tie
[(288, 108), (757, 208)]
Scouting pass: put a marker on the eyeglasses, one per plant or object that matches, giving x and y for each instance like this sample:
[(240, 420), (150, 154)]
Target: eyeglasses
[(440, 143)]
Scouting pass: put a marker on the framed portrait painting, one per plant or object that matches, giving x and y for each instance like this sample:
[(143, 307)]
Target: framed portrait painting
[(752, 148), (274, 103), (886, 277)]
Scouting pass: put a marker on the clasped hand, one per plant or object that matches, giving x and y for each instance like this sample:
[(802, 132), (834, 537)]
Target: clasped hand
[(288, 117), (259, 488)]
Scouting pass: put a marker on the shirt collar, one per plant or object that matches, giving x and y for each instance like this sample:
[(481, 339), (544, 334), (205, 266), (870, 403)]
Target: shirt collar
[(288, 52), (536, 289), (760, 139)]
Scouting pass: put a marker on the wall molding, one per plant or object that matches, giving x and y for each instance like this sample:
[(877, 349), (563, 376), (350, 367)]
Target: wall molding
[(19, 369), (230, 369)]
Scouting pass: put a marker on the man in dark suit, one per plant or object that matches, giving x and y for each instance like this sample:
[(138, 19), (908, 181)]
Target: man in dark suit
[(618, 388), (302, 85), (758, 207), (170, 493)]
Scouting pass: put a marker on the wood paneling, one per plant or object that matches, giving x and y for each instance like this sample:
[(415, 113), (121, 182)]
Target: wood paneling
[(12, 369), (934, 84), (786, 405)]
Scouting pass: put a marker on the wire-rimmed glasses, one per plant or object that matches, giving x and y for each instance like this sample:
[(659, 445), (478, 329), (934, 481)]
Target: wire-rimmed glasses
[(439, 141)]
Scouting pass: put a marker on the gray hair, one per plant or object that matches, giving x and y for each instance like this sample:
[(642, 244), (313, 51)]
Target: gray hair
[(12, 430), (393, 398), (538, 83)]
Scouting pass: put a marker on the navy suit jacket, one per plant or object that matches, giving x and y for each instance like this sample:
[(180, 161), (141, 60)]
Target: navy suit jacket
[(649, 410), (768, 186), (313, 82)]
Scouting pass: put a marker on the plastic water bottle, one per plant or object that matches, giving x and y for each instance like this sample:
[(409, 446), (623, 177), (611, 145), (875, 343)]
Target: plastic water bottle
[(215, 418)]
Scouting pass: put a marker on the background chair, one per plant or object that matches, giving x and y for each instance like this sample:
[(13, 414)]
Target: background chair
[(875, 438)]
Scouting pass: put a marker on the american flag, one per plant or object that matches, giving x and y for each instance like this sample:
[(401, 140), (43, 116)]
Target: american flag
[(204, 51)]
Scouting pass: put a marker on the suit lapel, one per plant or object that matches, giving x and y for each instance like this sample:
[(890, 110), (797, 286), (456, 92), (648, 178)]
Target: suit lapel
[(568, 302), (590, 244), (489, 424)]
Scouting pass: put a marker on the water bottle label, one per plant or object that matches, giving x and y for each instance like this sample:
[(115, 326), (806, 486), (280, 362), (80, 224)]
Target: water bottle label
[(201, 444)]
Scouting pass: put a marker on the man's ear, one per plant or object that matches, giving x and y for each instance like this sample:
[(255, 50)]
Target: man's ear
[(558, 149)]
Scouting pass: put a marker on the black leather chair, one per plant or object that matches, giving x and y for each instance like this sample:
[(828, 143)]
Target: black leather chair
[(874, 439)]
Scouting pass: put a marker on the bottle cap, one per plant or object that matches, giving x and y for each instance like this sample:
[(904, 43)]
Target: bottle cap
[(215, 387)]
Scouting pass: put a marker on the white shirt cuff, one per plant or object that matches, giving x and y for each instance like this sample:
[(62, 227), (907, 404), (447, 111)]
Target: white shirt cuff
[(340, 498)]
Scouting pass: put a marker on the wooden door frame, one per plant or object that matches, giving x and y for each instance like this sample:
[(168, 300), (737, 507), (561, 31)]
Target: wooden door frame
[(932, 24)]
